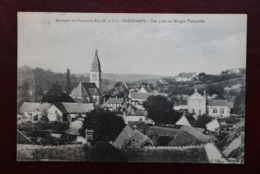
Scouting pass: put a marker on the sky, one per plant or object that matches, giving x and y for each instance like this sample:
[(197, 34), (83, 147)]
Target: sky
[(132, 43)]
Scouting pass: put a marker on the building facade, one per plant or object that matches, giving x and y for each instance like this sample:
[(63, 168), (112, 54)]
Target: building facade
[(197, 103)]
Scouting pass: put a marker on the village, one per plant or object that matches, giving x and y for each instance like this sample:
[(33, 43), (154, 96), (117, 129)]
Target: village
[(184, 119)]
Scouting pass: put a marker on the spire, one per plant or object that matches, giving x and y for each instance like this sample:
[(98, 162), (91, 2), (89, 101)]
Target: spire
[(96, 63)]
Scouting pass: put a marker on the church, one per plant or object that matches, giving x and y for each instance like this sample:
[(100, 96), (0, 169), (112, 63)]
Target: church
[(90, 92)]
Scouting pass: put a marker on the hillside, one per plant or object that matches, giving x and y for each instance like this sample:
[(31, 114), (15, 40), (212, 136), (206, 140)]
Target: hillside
[(45, 78)]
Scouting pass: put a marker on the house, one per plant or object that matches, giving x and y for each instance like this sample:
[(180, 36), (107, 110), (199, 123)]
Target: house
[(114, 103), (130, 137), (197, 103), (184, 77), (219, 108), (30, 111), (213, 125), (135, 116), (66, 111)]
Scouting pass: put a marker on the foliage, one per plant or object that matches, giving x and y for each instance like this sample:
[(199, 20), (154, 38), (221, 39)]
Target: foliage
[(203, 120), (239, 103), (105, 124), (24, 94), (56, 95), (103, 151), (160, 109), (37, 93), (43, 126)]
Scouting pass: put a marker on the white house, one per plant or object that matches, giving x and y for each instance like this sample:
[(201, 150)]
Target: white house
[(30, 111), (114, 103), (184, 77), (135, 116), (68, 111), (213, 125), (197, 103), (219, 108)]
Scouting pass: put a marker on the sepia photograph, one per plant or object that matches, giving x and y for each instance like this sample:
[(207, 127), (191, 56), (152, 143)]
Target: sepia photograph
[(128, 87)]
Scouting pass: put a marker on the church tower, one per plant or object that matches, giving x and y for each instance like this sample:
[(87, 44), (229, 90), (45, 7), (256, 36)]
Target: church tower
[(95, 74)]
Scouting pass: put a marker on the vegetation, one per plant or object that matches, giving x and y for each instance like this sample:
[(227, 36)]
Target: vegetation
[(239, 103), (105, 124), (56, 95), (160, 109)]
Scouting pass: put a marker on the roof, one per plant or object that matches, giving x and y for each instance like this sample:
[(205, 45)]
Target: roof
[(96, 67), (189, 136), (197, 134), (137, 95), (115, 101), (70, 108), (84, 90), (130, 137), (218, 102), (143, 96), (196, 95), (23, 139), (147, 88), (186, 75), (163, 131), (177, 155), (31, 107)]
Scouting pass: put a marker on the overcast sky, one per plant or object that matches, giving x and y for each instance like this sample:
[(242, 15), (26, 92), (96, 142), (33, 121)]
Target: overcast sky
[(213, 44)]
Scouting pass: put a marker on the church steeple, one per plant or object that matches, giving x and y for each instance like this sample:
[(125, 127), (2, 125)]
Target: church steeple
[(96, 63), (95, 74)]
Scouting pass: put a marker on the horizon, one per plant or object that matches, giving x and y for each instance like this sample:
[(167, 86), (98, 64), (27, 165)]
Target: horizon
[(132, 48), (121, 73)]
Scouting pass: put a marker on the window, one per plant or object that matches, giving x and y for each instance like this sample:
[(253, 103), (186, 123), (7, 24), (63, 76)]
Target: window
[(193, 110), (199, 112), (215, 110), (222, 110), (140, 119)]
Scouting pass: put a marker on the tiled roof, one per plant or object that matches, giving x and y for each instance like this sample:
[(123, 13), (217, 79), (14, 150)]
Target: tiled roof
[(217, 102), (137, 112), (31, 107), (131, 137), (84, 90), (194, 132), (147, 88), (163, 131), (186, 75), (74, 107), (143, 96), (137, 95), (115, 101)]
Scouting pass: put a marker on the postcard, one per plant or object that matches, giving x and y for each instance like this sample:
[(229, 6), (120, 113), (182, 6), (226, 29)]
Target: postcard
[(119, 87)]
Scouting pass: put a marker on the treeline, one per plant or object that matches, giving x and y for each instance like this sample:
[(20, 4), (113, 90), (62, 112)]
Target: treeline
[(46, 78)]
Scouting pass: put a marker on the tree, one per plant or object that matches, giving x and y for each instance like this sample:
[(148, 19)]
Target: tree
[(24, 93), (37, 93), (203, 120), (68, 82), (160, 109), (216, 89), (239, 103), (56, 95), (105, 124)]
